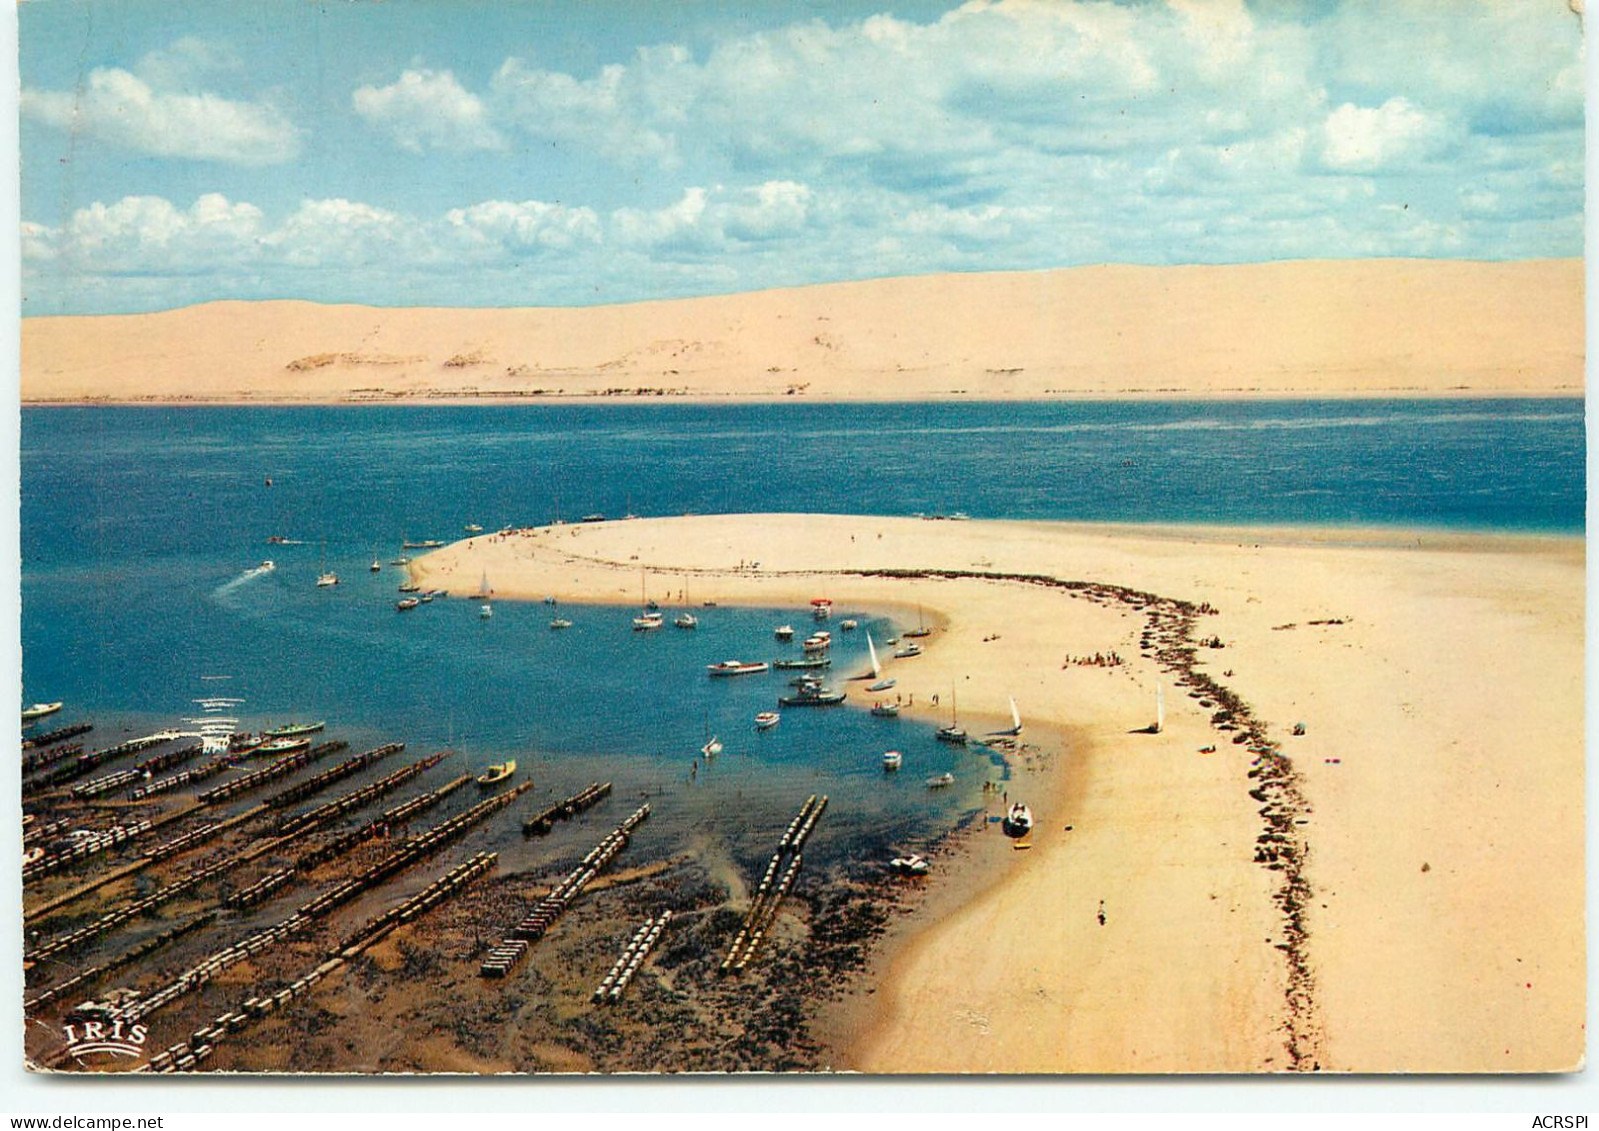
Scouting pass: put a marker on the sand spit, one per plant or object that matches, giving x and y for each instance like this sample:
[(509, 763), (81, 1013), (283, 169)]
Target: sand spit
[(1355, 845), (1354, 327)]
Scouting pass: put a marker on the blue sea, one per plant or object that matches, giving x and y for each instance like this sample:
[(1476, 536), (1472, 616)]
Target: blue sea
[(139, 527)]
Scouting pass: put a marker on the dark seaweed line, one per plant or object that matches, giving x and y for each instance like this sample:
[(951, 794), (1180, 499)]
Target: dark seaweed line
[(1281, 847)]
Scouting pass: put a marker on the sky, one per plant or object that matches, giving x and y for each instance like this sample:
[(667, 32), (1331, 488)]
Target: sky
[(474, 153)]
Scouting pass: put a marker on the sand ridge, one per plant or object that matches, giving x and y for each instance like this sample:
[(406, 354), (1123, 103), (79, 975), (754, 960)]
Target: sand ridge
[(1439, 779), (1306, 328)]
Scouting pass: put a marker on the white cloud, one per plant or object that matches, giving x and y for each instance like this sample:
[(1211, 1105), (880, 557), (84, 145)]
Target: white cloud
[(531, 227), (118, 107), (425, 109), (608, 113), (1362, 139)]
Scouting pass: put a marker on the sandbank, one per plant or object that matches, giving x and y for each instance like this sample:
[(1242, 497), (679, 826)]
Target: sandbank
[(1386, 327), (1434, 799)]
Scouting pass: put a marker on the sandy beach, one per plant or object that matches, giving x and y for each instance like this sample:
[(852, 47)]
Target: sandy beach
[(1398, 888), (1377, 327)]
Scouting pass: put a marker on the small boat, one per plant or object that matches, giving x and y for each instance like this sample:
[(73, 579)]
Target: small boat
[(560, 622), (882, 685), (1016, 720), (942, 780), (849, 625), (1019, 821), (812, 697), (686, 620), (39, 711), (294, 730), (737, 667), (427, 544), (406, 604), (886, 710), (911, 865), (821, 608), (485, 612), (375, 566), (921, 628), (426, 598), (33, 854), (908, 651), (712, 747), (401, 560), (327, 579), (953, 733), (893, 760), (766, 720), (808, 662), (817, 642), (267, 566), (279, 746), (592, 518), (496, 773), (410, 587), (473, 528), (484, 589), (784, 632), (648, 622)]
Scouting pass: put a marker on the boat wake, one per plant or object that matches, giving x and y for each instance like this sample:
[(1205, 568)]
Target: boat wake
[(248, 575)]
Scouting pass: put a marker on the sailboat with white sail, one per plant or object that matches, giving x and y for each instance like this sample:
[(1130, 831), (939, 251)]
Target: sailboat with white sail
[(953, 733), (877, 670), (1016, 723)]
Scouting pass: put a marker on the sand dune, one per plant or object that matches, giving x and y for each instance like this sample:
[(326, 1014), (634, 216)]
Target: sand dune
[(1437, 787), (1365, 327)]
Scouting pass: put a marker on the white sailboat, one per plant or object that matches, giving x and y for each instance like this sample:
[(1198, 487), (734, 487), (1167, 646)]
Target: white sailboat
[(484, 592), (1160, 708), (1016, 721), (325, 576), (877, 669)]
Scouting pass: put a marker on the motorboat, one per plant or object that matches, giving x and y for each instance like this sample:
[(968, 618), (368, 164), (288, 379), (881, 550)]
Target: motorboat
[(292, 730), (485, 612), (560, 622), (737, 667), (473, 528), (279, 746), (849, 625), (912, 865), (766, 720), (942, 780), (496, 773), (809, 662), (39, 711), (267, 566), (784, 632), (410, 587), (813, 696), (821, 608), (886, 710), (893, 760), (648, 622), (686, 620), (592, 518), (425, 544), (1018, 821), (327, 579), (908, 651), (817, 642), (406, 604)]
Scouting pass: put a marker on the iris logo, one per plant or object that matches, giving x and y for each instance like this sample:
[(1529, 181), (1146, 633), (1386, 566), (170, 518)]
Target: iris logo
[(92, 1034)]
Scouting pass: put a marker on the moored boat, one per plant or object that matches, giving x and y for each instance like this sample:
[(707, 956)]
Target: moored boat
[(327, 579), (686, 620), (821, 608), (277, 746), (784, 632), (376, 566), (886, 710), (486, 612), (908, 651), (942, 780), (817, 642), (812, 697), (294, 730), (893, 760), (560, 622), (473, 528), (766, 720), (496, 773), (737, 667), (807, 663), (39, 711), (426, 544), (849, 625), (648, 622), (406, 604)]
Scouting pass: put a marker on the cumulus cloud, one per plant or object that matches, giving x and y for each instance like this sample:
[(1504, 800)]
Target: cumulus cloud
[(119, 107), (1361, 139), (530, 227), (425, 109)]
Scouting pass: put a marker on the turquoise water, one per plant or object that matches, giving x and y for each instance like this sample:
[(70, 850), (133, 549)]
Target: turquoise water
[(138, 527)]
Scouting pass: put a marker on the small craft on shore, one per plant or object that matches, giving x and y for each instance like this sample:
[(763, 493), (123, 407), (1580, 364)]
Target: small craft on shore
[(1018, 822), (912, 865), (496, 773), (908, 651), (886, 710)]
